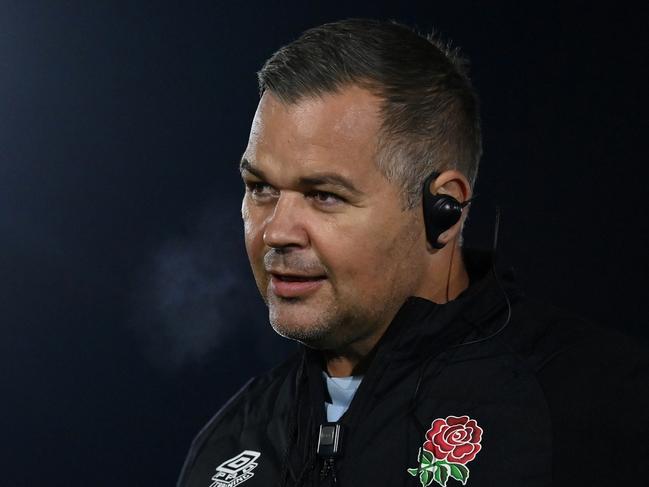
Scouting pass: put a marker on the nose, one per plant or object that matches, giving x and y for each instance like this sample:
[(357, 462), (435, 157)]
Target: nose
[(284, 228)]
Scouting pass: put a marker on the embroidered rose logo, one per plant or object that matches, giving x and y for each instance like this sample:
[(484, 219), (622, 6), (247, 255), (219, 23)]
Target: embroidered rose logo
[(450, 444)]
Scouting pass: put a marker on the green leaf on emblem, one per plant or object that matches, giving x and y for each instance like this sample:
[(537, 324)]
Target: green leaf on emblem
[(459, 472), (425, 478), (436, 476), (433, 470), (440, 472), (443, 474), (427, 457)]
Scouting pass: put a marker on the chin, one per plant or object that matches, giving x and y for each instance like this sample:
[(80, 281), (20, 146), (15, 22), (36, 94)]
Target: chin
[(312, 331)]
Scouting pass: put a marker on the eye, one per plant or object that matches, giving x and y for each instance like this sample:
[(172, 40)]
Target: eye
[(324, 198), (258, 189)]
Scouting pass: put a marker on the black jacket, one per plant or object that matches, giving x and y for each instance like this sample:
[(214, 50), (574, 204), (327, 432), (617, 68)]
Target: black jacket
[(450, 397)]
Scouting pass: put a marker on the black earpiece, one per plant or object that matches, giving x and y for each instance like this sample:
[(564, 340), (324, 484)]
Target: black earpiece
[(441, 212)]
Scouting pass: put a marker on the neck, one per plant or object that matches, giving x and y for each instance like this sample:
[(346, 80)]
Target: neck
[(346, 364), (445, 280), (448, 276)]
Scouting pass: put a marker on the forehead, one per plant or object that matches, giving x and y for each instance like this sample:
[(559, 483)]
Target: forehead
[(332, 132)]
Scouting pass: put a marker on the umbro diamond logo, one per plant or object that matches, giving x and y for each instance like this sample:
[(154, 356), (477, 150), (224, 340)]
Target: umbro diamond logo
[(236, 470)]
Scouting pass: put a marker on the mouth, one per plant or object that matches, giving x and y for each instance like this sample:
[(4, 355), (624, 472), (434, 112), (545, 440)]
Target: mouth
[(295, 278), (291, 286)]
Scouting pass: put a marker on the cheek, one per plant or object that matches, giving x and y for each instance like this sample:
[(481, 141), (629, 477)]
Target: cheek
[(359, 253), (388, 257), (253, 235)]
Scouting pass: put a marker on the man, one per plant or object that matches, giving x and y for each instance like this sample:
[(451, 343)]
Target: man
[(420, 365)]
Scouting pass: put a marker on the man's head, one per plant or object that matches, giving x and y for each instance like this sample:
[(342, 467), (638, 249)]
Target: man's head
[(334, 169), (429, 111)]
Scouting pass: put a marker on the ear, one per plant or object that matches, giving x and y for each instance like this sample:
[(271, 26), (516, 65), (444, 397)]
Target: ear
[(452, 183)]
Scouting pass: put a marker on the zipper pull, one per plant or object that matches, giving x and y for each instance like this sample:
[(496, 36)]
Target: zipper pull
[(329, 447)]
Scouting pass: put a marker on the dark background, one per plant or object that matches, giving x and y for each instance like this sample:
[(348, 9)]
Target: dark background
[(127, 311)]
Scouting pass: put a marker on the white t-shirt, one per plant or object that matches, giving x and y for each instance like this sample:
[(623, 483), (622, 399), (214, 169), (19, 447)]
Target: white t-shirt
[(341, 390)]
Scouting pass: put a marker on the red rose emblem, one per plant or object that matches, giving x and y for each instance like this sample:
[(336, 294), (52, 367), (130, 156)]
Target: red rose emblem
[(454, 439)]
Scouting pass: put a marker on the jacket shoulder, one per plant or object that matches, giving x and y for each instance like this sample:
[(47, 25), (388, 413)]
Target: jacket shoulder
[(262, 397), (575, 358), (595, 381), (545, 335)]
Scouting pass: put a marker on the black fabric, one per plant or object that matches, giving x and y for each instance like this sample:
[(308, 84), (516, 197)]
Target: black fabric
[(560, 401)]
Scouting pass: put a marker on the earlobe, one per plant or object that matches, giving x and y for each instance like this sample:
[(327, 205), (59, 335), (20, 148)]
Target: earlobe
[(450, 234), (444, 238)]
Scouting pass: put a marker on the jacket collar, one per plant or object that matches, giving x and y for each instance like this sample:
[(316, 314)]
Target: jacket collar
[(419, 320)]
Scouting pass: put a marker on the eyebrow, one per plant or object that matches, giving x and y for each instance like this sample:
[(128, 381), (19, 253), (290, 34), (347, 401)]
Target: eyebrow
[(329, 178)]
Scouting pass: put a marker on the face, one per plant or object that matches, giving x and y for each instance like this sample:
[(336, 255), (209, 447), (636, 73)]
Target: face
[(332, 253)]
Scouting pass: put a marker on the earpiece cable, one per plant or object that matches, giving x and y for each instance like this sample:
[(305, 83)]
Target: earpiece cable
[(500, 285)]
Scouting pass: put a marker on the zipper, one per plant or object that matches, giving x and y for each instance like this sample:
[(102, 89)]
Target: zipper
[(328, 471)]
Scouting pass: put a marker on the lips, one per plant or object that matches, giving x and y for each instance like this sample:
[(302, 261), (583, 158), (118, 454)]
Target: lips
[(296, 278), (292, 286)]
